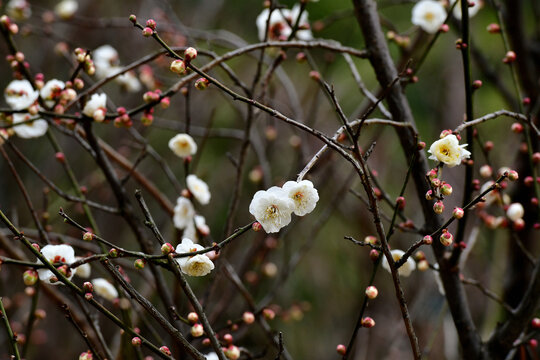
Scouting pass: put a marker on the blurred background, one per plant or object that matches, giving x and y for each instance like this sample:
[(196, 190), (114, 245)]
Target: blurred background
[(308, 274)]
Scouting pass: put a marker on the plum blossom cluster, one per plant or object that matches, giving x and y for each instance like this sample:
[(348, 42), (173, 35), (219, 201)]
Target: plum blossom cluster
[(430, 15), (273, 208), (281, 23)]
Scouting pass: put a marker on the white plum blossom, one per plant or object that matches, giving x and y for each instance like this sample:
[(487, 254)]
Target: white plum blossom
[(29, 129), (104, 289), (304, 195), (128, 81), (183, 213), (272, 208), (96, 107), (211, 356), (65, 9), (18, 9), (472, 9), (105, 55), (56, 254), (429, 15), (448, 151), (515, 211), (198, 188), (51, 91), (406, 269), (107, 64), (197, 265), (20, 94), (82, 271), (183, 145), (281, 23)]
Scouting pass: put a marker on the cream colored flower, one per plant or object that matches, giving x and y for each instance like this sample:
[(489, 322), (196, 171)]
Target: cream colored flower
[(272, 208), (20, 94), (66, 9), (472, 9), (304, 195), (56, 254), (448, 151), (96, 107), (515, 211), (198, 188), (18, 9), (104, 56), (183, 145), (197, 265), (51, 91), (406, 269), (281, 22), (82, 271), (104, 289), (429, 15), (27, 129), (183, 213)]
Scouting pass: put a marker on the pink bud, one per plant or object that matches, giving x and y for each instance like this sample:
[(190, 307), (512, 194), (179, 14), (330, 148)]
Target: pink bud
[(269, 314), (193, 317), (113, 253), (190, 53), (87, 355), (201, 83), (88, 296), (493, 28), (372, 292), (248, 317), (477, 84), (136, 341), (151, 23), (147, 32), (429, 195), (428, 240), (510, 57), (178, 67), (518, 224), (446, 238), (30, 277), (485, 171), (517, 128), (444, 28), (535, 323), (458, 213), (368, 322), (166, 248), (139, 264), (421, 145), (400, 202), (232, 352), (315, 75), (435, 182), (513, 175), (60, 157), (438, 207), (197, 330), (373, 255), (446, 189), (341, 349), (165, 102), (165, 350), (88, 287), (228, 338), (133, 18)]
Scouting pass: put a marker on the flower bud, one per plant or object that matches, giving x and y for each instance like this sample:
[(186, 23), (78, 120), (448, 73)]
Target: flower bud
[(256, 226), (232, 352), (193, 317), (99, 115), (428, 240), (60, 157), (372, 292), (315, 75), (165, 102), (421, 145), (248, 317), (139, 264), (147, 32), (515, 211), (88, 287), (373, 255), (517, 128), (201, 83), (438, 207), (493, 28), (446, 189), (485, 171), (446, 238), (197, 330), (136, 341), (429, 195), (370, 239), (435, 182), (30, 277), (269, 314), (444, 28), (190, 53), (458, 213), (167, 248), (535, 323), (423, 265), (341, 349), (400, 202), (133, 18), (88, 236), (151, 23), (368, 322), (513, 175), (88, 296), (178, 67), (165, 350), (510, 57), (518, 224), (228, 339), (113, 253), (477, 84)]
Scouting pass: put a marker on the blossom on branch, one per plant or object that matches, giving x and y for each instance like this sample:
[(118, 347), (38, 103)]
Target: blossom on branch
[(429, 15), (56, 254), (27, 126), (20, 94), (406, 269), (304, 195), (183, 213), (272, 208), (476, 5), (281, 23), (51, 91), (96, 107), (183, 145), (198, 188), (448, 151), (105, 289), (197, 265)]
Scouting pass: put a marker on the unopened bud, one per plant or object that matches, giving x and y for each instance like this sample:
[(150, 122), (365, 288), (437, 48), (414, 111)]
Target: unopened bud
[(139, 264), (256, 226), (458, 213), (248, 317), (232, 352), (193, 317), (151, 23), (60, 157), (201, 83), (269, 314), (197, 330), (146, 32), (493, 28), (517, 128), (438, 207), (372, 292), (190, 53), (133, 18), (88, 287), (446, 238), (341, 349), (167, 248), (513, 175), (30, 277), (428, 240), (178, 67), (136, 341), (429, 195), (400, 202), (485, 171), (315, 75), (368, 322), (446, 189), (373, 255), (165, 350), (88, 236), (510, 57)]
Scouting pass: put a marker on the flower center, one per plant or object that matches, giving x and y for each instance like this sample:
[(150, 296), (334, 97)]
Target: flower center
[(298, 196), (429, 16), (272, 211), (445, 151), (58, 259), (274, 32)]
